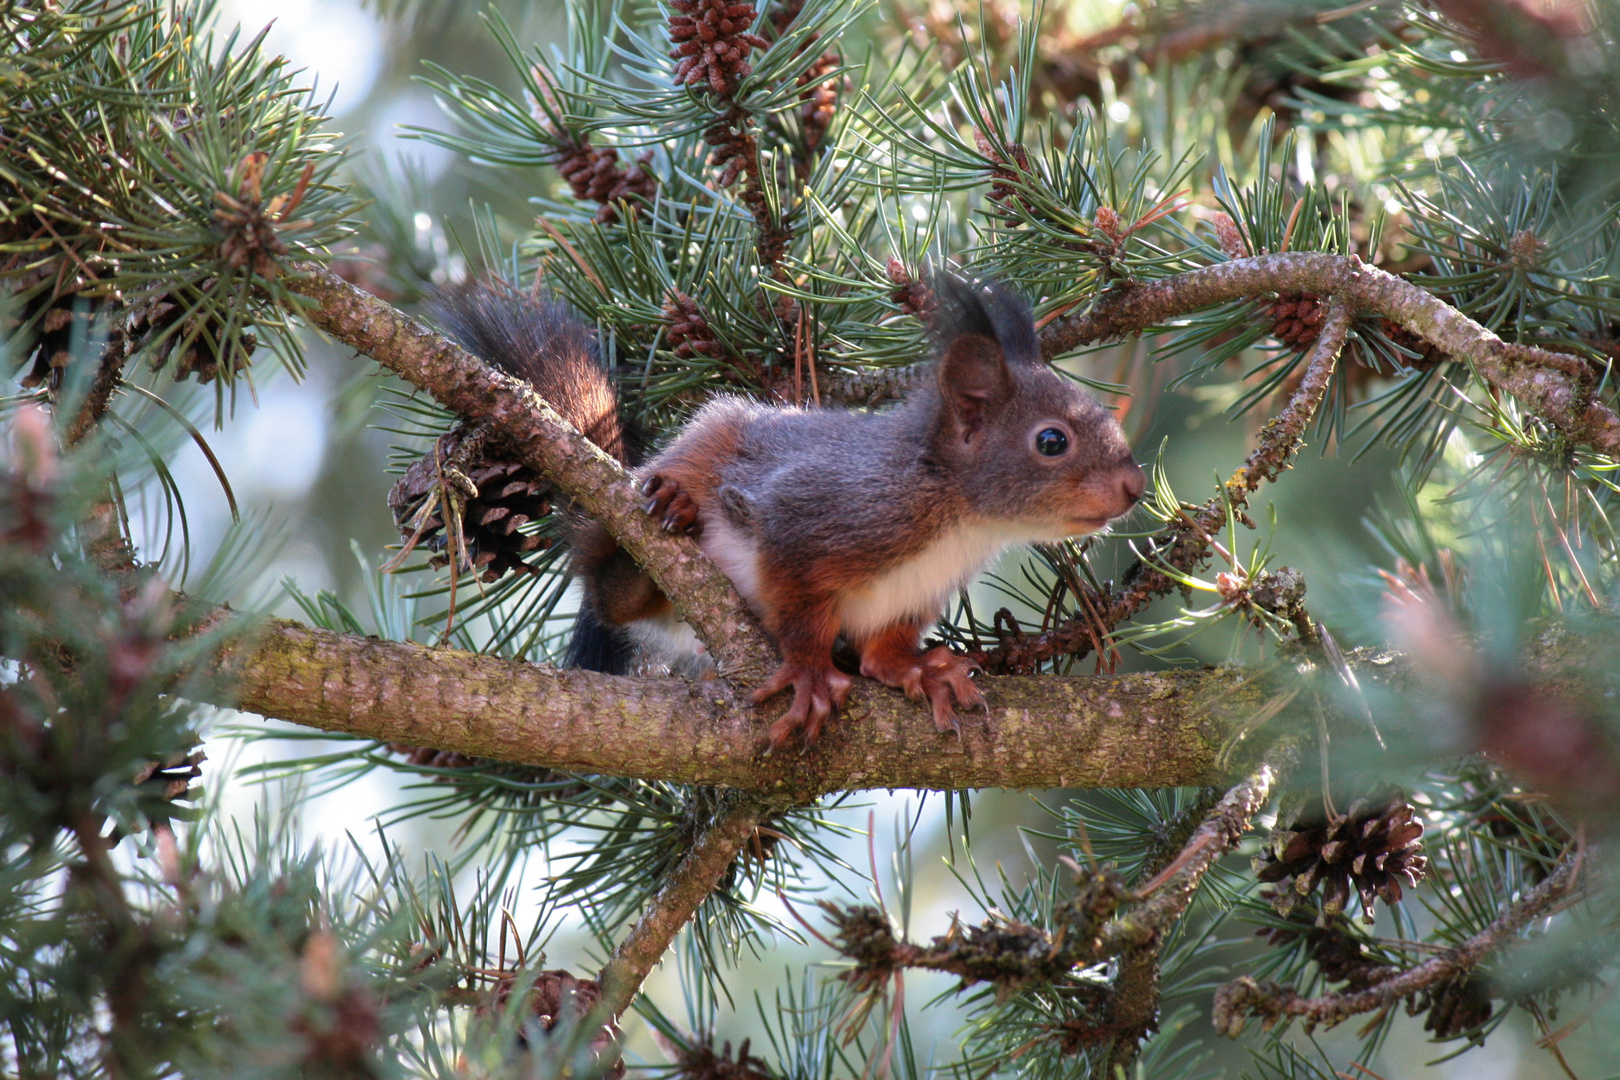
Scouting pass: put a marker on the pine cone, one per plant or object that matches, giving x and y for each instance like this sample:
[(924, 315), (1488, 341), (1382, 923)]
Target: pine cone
[(595, 175), (818, 100), (1230, 236), (509, 495), (164, 782), (734, 146), (1460, 1004), (1296, 318), (1370, 848), (1427, 356), (1002, 178), (1333, 946), (712, 43), (697, 1060), (554, 995)]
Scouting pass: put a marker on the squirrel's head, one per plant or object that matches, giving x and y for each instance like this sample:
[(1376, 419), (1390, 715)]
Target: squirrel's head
[(1028, 444)]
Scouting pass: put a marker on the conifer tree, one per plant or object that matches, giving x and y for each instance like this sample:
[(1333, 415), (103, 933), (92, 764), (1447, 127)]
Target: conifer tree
[(1384, 231)]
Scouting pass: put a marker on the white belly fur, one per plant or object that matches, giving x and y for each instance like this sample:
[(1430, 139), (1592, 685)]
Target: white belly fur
[(918, 588)]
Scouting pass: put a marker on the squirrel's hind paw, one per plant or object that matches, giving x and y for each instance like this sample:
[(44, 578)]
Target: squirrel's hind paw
[(670, 504), (818, 692)]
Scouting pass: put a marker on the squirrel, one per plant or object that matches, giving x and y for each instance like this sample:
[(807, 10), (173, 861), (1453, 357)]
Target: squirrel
[(832, 523)]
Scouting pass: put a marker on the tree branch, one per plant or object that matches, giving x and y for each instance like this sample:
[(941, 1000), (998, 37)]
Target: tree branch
[(517, 418), (689, 884), (1236, 1001), (1548, 383), (1089, 925), (1158, 729)]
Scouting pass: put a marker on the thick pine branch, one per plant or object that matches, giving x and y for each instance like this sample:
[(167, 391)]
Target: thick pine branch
[(691, 882), (1155, 729)]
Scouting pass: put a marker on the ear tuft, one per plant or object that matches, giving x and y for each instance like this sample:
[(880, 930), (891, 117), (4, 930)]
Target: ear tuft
[(985, 308)]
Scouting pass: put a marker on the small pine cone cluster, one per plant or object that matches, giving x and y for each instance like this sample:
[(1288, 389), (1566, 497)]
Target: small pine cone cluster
[(251, 237), (1296, 318), (689, 334), (734, 146), (162, 783), (1427, 355), (712, 42), (698, 1060), (1002, 176), (818, 100), (1370, 849), (1461, 1003), (509, 496), (863, 934), (170, 778), (206, 348), (252, 226), (912, 294), (595, 175), (53, 319)]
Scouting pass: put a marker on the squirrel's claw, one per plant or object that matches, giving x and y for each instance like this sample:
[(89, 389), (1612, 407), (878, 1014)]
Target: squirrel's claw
[(818, 692), (676, 509), (939, 675)]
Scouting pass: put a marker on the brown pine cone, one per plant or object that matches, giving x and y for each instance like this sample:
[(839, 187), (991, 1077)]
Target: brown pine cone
[(1334, 948), (712, 42), (1371, 849), (911, 293), (509, 495), (1460, 1004), (595, 175), (1002, 177), (558, 994), (818, 99)]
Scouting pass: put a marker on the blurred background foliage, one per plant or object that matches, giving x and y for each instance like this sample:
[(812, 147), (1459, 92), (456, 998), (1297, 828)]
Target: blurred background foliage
[(1470, 145)]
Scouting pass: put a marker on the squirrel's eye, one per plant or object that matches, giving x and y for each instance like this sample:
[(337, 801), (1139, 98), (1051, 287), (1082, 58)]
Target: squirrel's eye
[(1051, 442)]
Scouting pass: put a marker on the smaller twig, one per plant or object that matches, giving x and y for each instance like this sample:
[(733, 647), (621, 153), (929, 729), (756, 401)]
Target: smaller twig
[(1244, 997), (1172, 889), (689, 884)]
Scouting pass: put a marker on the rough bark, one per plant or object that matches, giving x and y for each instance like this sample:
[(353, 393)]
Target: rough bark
[(1159, 729)]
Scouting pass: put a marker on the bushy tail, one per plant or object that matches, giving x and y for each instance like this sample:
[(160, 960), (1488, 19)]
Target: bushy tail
[(545, 343)]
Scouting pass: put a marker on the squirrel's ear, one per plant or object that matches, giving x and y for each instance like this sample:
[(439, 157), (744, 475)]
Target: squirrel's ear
[(973, 379)]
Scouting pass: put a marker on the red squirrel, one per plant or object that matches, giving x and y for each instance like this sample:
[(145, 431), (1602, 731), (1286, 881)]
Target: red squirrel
[(831, 522)]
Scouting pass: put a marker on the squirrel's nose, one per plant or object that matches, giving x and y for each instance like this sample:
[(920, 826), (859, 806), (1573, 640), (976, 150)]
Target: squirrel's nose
[(1132, 482)]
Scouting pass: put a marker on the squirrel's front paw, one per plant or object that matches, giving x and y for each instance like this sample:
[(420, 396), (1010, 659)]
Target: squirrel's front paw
[(947, 676), (817, 692), (939, 675), (674, 508)]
